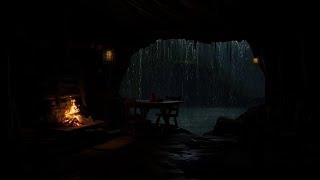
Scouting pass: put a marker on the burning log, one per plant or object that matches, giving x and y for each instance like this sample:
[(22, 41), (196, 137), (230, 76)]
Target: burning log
[(69, 116)]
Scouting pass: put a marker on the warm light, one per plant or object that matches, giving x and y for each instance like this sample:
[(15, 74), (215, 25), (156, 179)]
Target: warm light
[(108, 55), (72, 118), (69, 115), (255, 60)]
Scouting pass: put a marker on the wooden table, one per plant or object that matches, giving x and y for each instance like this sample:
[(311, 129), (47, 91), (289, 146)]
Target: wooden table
[(163, 106)]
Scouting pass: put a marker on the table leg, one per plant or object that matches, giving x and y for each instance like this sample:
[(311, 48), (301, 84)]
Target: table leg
[(144, 111), (166, 118)]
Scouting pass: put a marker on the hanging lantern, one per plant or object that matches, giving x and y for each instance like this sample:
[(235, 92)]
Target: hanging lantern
[(108, 55), (255, 60)]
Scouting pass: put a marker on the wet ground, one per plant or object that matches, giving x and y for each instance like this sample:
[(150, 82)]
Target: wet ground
[(199, 120), (99, 154)]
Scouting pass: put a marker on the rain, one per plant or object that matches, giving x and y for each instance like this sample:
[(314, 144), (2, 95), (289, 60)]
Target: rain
[(215, 79)]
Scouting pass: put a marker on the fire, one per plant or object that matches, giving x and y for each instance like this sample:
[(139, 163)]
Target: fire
[(68, 114), (72, 116)]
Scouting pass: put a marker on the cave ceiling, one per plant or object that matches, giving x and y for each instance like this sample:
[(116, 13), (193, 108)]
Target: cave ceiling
[(140, 22)]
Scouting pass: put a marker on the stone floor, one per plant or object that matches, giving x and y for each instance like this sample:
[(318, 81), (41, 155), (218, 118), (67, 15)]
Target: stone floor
[(97, 154)]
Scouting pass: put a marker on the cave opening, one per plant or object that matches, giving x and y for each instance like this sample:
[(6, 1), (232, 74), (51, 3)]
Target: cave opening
[(218, 79)]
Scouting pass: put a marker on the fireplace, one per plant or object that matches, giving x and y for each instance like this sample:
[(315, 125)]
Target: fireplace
[(67, 113), (65, 107)]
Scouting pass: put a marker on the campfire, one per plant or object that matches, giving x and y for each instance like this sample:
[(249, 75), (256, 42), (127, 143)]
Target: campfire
[(68, 114), (72, 115)]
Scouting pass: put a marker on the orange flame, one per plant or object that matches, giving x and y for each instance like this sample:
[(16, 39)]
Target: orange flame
[(72, 116)]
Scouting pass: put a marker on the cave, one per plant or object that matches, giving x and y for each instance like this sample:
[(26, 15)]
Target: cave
[(219, 79), (71, 67)]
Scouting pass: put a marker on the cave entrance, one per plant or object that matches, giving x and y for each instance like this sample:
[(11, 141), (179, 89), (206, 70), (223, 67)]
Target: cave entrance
[(214, 79)]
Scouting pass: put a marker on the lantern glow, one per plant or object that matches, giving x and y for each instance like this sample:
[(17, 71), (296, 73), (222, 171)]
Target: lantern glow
[(108, 55), (255, 60)]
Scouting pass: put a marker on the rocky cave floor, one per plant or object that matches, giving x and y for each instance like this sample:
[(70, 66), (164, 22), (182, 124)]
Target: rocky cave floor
[(99, 154)]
